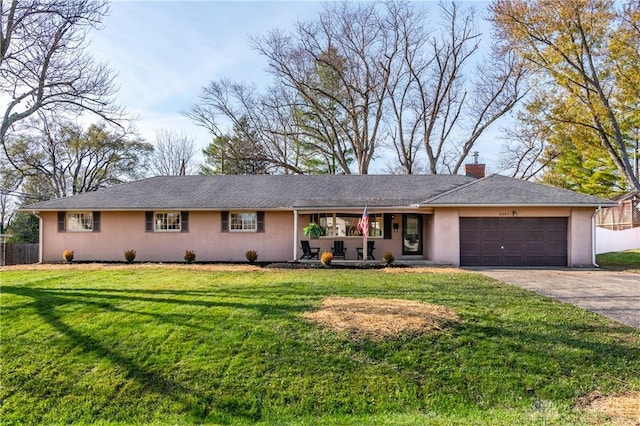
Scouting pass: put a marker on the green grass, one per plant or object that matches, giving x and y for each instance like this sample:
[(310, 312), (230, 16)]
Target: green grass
[(173, 345), (620, 260)]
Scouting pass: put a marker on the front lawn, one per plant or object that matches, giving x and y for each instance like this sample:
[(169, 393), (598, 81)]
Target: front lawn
[(187, 345), (620, 260)]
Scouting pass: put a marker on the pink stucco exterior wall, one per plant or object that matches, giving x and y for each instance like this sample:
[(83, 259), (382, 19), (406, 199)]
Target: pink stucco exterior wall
[(580, 237), (445, 235), (126, 230), (444, 241), (120, 231)]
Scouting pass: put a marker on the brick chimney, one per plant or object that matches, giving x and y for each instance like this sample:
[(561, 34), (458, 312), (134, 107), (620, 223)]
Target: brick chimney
[(474, 169)]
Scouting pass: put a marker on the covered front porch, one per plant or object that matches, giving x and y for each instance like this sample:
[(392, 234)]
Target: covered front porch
[(366, 264), (403, 232)]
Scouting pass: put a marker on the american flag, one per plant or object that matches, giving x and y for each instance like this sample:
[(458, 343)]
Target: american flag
[(363, 224)]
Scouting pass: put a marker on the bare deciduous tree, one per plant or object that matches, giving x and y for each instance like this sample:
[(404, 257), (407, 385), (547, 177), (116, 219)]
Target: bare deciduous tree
[(524, 154), (44, 64), (10, 181), (405, 113), (340, 65), (364, 75), (270, 118), (433, 104), (173, 154), (64, 159)]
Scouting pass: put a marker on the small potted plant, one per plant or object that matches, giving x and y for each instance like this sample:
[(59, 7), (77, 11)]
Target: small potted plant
[(312, 230)]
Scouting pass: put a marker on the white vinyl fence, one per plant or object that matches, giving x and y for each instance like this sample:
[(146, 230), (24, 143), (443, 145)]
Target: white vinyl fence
[(607, 240)]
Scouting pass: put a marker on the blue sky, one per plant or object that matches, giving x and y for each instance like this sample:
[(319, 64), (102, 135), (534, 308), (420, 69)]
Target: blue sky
[(164, 52)]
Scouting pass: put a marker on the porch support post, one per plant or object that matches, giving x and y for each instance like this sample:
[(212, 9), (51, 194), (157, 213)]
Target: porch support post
[(295, 234)]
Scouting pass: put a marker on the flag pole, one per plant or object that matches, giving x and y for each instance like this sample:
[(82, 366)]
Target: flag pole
[(364, 247), (364, 229)]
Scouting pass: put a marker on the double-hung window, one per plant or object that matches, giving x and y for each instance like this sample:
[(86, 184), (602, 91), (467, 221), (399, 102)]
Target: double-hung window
[(167, 221), (79, 221), (247, 221), (243, 221)]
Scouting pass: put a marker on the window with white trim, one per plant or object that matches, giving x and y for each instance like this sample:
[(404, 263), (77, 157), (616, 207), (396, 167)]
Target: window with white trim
[(243, 221), (79, 221), (346, 225), (167, 221)]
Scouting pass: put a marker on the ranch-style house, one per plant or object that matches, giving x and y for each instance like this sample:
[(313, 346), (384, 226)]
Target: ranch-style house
[(444, 219)]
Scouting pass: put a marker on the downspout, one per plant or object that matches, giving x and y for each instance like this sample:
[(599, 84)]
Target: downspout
[(40, 235), (593, 237), (295, 234)]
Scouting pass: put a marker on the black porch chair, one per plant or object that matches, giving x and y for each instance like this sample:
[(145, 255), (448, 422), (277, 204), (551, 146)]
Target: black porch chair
[(338, 249), (370, 249), (309, 252)]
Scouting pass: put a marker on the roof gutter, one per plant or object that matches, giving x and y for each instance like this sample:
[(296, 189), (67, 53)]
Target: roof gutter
[(518, 205), (411, 207), (143, 209)]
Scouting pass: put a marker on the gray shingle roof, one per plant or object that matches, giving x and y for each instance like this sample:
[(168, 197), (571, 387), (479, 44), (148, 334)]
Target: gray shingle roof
[(260, 192), (307, 191), (501, 190), (627, 196)]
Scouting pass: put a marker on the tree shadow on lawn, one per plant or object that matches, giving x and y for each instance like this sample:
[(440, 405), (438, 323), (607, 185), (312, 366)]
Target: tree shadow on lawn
[(562, 334), (471, 360), (198, 405), (179, 297), (45, 302)]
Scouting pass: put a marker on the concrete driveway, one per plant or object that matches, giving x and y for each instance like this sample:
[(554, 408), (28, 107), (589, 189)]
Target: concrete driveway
[(615, 295)]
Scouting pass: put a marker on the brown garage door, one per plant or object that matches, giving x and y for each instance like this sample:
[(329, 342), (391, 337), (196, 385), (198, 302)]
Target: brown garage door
[(535, 241)]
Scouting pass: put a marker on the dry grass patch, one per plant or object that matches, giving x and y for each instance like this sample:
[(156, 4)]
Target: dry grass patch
[(620, 409), (379, 319)]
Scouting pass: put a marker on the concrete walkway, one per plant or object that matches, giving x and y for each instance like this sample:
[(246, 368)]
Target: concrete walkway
[(615, 295)]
